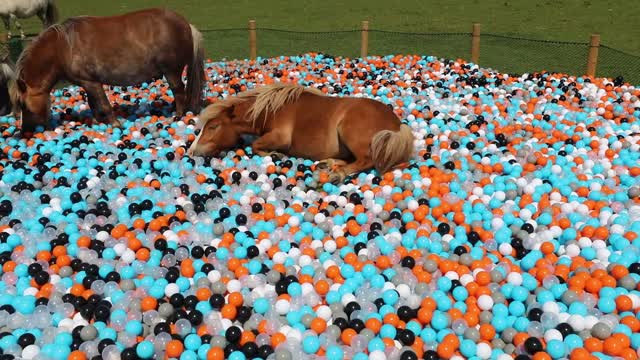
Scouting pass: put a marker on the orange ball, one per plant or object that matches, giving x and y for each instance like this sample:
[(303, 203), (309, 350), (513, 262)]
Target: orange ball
[(229, 311), (174, 348), (612, 346), (215, 353), (318, 325)]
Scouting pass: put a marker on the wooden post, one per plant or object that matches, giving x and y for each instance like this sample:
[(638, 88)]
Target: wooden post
[(592, 58), (475, 43), (364, 44), (252, 40)]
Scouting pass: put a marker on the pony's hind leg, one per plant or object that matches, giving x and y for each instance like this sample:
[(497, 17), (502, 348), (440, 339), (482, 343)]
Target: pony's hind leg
[(99, 103), (177, 87)]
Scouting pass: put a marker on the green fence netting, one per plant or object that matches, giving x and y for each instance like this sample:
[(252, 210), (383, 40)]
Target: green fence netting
[(507, 54)]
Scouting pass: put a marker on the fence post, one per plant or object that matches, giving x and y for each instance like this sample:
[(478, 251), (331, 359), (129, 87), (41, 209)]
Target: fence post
[(592, 58), (364, 44), (252, 40), (475, 43)]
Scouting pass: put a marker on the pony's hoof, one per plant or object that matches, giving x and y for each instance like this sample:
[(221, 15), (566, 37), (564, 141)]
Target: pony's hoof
[(115, 123), (337, 177)]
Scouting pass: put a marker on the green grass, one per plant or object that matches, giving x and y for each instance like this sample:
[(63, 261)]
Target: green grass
[(559, 20)]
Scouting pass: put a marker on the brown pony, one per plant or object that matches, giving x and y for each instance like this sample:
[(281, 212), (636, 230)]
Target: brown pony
[(347, 134), (121, 50)]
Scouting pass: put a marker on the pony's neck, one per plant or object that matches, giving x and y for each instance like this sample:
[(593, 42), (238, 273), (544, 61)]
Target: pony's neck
[(246, 125), (40, 67)]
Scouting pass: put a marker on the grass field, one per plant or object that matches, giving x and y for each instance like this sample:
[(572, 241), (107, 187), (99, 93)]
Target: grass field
[(560, 20)]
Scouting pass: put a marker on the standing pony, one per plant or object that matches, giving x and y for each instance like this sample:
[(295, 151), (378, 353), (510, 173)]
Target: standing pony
[(121, 50), (22, 9), (347, 134), (6, 74)]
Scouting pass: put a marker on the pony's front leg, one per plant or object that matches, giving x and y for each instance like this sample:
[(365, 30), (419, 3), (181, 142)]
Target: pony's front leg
[(338, 175), (269, 143), (6, 19), (329, 164), (18, 26), (99, 103)]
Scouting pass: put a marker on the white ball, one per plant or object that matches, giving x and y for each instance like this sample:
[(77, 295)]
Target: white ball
[(377, 355), (30, 352), (485, 302), (576, 322), (324, 312), (403, 290), (505, 249), (282, 306), (483, 350), (171, 289), (514, 279), (552, 334), (234, 286)]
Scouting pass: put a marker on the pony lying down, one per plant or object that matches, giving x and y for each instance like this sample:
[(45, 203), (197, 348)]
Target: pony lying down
[(346, 134)]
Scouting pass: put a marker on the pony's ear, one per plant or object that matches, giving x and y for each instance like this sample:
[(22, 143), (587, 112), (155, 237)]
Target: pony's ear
[(231, 112), (22, 86)]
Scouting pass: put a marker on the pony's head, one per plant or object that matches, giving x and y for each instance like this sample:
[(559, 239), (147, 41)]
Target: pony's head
[(219, 128), (31, 103)]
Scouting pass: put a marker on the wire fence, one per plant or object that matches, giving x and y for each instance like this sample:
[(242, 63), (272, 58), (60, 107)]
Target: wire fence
[(507, 54)]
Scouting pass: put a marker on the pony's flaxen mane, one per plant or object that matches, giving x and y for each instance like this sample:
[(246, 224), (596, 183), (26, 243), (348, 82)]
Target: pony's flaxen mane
[(268, 99), (63, 30)]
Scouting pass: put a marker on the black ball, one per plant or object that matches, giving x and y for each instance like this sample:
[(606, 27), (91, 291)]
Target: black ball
[(535, 314), (351, 307), (406, 313), (34, 268), (216, 301), (101, 313), (408, 262), (195, 317), (264, 351), (233, 334), (408, 355), (197, 252), (533, 345), (249, 349), (634, 268), (26, 339), (241, 219), (430, 355), (443, 228), (129, 354), (177, 300), (460, 250), (565, 329), (407, 337)]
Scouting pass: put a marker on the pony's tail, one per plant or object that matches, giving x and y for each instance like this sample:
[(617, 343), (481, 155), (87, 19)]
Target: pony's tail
[(391, 148), (7, 72), (7, 75), (195, 73), (51, 15)]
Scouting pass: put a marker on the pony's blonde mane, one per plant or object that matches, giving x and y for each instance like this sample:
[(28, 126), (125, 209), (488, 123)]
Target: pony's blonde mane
[(64, 31), (267, 99)]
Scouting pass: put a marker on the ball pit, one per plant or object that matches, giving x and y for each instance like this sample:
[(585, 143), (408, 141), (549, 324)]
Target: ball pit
[(512, 233)]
